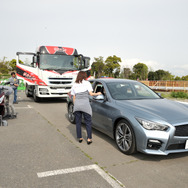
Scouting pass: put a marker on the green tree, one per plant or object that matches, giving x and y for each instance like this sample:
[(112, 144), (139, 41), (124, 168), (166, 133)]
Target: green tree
[(152, 75), (141, 71), (97, 68), (163, 75), (133, 76), (177, 78), (12, 64), (185, 78), (112, 66), (4, 67), (126, 73)]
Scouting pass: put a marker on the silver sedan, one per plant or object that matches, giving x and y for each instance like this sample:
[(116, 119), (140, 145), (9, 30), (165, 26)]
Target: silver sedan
[(137, 118)]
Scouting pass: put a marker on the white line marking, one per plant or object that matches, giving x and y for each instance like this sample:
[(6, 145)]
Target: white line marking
[(64, 171), (24, 107), (21, 107), (105, 176), (109, 179)]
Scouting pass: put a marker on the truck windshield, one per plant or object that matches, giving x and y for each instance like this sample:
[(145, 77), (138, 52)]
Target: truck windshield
[(60, 62)]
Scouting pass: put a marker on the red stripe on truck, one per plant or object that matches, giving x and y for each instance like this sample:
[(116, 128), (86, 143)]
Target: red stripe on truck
[(30, 77)]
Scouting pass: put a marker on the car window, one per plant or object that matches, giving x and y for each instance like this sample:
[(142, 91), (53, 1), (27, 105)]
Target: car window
[(130, 90), (120, 90), (144, 92), (99, 88)]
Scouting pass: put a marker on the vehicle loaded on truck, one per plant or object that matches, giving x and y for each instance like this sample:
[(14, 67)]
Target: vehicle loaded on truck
[(51, 71)]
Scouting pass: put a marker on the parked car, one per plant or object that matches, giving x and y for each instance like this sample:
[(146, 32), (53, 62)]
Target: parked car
[(137, 118)]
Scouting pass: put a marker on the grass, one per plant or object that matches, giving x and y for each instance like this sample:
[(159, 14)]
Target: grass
[(174, 95), (165, 94), (181, 95)]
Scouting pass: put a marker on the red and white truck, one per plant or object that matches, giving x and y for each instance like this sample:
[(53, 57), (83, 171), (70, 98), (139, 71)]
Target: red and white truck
[(51, 71)]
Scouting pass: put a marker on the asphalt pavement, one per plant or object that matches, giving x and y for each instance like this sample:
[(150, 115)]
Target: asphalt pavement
[(34, 153), (40, 149)]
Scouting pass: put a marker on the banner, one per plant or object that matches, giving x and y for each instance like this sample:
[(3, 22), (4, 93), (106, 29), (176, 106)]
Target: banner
[(21, 83)]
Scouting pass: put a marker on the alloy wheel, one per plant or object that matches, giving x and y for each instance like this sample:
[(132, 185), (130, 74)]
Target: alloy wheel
[(124, 136), (71, 114)]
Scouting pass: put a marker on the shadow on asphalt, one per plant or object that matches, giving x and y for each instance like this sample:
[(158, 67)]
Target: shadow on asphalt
[(157, 158), (44, 100), (53, 100), (139, 155)]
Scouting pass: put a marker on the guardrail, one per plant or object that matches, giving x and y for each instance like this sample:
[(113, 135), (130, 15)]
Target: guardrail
[(167, 85)]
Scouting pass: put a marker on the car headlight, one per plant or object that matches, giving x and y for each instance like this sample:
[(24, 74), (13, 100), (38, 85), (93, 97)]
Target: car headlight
[(149, 125)]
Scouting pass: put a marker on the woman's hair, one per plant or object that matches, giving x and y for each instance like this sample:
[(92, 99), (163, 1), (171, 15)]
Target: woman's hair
[(81, 76)]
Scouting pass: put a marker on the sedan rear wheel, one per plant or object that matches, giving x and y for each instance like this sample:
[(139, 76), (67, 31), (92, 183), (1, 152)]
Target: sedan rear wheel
[(125, 139), (71, 114)]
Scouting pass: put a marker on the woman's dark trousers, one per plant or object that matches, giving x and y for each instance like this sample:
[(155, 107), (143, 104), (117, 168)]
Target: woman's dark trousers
[(87, 119)]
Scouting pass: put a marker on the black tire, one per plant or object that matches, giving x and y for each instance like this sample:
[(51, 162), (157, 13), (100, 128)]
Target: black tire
[(36, 99), (71, 116), (125, 137), (27, 91)]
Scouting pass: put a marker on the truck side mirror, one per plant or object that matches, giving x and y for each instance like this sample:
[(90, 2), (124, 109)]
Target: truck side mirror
[(86, 62), (34, 63)]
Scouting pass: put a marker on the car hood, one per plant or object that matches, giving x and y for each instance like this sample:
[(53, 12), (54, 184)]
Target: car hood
[(157, 109)]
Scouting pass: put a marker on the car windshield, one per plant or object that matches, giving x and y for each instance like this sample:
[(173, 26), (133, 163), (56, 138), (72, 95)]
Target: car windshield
[(130, 91), (59, 62)]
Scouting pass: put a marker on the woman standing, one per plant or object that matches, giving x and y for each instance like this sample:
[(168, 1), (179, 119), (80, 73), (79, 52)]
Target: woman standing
[(81, 90)]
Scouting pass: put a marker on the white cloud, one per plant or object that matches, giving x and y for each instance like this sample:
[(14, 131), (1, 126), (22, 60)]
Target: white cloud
[(177, 70), (152, 65)]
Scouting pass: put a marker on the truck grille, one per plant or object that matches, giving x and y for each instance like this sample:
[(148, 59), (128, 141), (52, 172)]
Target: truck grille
[(60, 88), (60, 80), (181, 130)]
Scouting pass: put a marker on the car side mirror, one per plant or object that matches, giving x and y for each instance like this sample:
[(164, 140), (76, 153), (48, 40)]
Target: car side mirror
[(99, 97)]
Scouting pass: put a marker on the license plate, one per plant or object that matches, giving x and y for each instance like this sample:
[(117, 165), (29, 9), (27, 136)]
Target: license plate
[(61, 90), (186, 144)]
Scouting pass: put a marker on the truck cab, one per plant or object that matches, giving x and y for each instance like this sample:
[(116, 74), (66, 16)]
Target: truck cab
[(51, 71)]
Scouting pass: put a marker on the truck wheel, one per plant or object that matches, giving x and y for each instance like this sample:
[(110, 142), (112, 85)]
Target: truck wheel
[(27, 91), (36, 99)]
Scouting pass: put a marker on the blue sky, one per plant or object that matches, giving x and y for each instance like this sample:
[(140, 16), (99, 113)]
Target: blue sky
[(154, 32)]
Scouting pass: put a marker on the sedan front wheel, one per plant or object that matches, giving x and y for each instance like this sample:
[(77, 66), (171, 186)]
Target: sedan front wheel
[(125, 139), (71, 113)]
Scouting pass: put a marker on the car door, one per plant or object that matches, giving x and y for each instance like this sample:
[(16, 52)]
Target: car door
[(102, 111)]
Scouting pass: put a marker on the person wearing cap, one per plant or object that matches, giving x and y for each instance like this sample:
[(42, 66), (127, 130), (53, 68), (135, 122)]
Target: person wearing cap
[(14, 82)]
